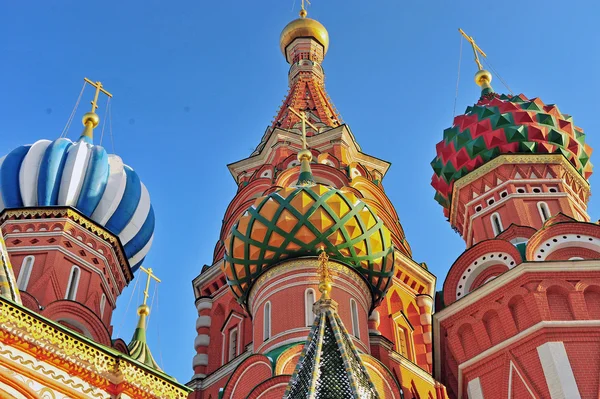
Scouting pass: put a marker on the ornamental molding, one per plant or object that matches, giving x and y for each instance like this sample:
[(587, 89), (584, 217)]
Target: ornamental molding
[(46, 374), (336, 268), (342, 133), (496, 284), (81, 220), (514, 159), (308, 277), (98, 365), (32, 250), (113, 269)]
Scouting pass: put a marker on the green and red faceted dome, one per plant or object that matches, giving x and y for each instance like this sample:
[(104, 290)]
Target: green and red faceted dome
[(299, 221), (500, 124)]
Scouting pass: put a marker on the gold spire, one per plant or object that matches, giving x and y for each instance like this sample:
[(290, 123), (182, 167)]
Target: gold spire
[(90, 120), (304, 156), (138, 348), (303, 11), (483, 78), (325, 280)]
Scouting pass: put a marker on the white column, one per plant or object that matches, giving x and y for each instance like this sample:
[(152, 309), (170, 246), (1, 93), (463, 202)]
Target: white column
[(558, 371)]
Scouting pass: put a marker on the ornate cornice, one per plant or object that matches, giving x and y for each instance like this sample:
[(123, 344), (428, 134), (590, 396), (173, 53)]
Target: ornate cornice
[(75, 216), (486, 168), (103, 367)]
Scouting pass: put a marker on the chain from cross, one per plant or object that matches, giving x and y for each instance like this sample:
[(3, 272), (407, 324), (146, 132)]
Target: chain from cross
[(304, 120), (99, 88), (151, 276), (476, 49)]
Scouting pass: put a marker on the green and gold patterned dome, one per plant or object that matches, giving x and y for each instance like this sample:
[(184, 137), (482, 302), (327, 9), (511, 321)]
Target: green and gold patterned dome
[(299, 221)]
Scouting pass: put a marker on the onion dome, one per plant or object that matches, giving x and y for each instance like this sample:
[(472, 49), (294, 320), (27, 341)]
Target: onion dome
[(501, 124), (298, 221), (138, 347), (304, 27), (83, 176)]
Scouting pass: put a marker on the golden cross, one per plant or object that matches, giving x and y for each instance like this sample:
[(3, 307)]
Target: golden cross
[(151, 275), (303, 10), (99, 88), (476, 48), (305, 122)]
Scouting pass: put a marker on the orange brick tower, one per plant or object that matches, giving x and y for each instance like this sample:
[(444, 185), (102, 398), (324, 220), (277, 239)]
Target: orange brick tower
[(522, 303), (308, 189)]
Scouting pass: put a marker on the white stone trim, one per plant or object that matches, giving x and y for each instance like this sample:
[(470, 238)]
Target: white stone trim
[(516, 338), (201, 340), (510, 380), (478, 266), (559, 241), (557, 371), (474, 390), (203, 303), (202, 321), (200, 359)]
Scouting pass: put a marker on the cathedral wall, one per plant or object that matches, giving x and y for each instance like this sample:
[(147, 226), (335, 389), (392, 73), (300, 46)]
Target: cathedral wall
[(290, 290), (512, 325)]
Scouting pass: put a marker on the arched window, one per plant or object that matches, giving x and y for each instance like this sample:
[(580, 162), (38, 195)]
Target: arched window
[(233, 344), (402, 347), (496, 223), (267, 321), (354, 313), (25, 273), (73, 283), (102, 305), (544, 211), (309, 300)]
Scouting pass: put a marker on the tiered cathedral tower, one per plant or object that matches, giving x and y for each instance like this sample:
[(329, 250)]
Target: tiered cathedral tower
[(522, 303), (306, 190)]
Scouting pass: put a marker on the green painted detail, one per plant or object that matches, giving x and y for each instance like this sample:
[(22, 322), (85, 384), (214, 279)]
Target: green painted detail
[(556, 137), (522, 247), (515, 134), (275, 353), (138, 347), (476, 146)]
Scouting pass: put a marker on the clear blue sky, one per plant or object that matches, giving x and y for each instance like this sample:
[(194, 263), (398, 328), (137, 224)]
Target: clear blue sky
[(195, 84)]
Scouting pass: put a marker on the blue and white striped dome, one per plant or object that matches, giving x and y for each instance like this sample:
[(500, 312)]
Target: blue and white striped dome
[(86, 177)]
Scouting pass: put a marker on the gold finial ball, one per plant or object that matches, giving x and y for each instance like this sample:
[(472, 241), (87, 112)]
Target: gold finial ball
[(304, 27), (91, 117), (483, 77), (143, 310), (325, 287), (305, 155), (303, 13)]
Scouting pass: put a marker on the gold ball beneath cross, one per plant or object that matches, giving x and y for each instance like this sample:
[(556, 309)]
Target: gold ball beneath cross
[(91, 117), (143, 310), (305, 154)]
